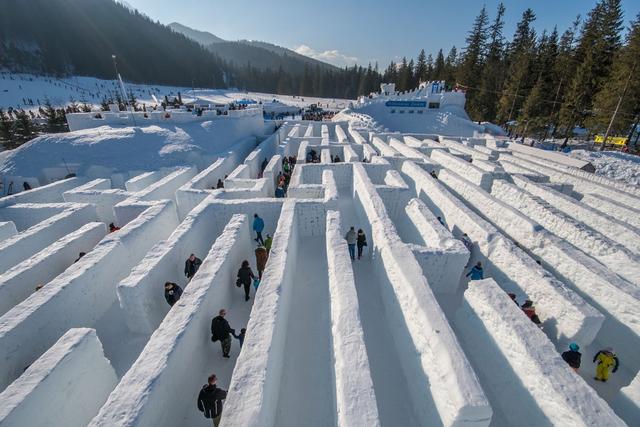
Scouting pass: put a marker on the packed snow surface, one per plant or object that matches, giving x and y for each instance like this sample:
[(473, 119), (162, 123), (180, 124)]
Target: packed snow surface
[(404, 332), (613, 164)]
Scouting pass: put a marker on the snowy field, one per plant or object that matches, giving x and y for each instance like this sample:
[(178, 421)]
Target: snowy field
[(613, 164), (400, 336), (17, 89)]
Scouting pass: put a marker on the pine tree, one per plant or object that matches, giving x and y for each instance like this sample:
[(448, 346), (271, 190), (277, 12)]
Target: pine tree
[(6, 127), (519, 80), (599, 42), (470, 69), (421, 70), (439, 68), (429, 72), (627, 63), (493, 70), (450, 66), (404, 76), (536, 111)]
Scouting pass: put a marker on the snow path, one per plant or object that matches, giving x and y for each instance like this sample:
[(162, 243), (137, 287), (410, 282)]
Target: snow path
[(238, 317), (307, 382), (391, 388)]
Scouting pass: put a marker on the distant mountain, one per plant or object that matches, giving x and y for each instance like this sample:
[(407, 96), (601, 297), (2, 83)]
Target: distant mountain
[(65, 37), (79, 37), (203, 37), (258, 54)]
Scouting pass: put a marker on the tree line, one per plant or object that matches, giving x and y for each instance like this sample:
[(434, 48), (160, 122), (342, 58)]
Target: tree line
[(542, 84)]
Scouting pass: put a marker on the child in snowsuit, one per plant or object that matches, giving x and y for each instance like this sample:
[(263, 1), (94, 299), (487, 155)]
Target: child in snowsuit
[(606, 359), (241, 335), (572, 356), (530, 311), (261, 260)]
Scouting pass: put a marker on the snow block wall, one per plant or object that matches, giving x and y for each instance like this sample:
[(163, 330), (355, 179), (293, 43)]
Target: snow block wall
[(254, 388), (566, 315), (65, 387), (141, 397), (355, 396), (442, 257), (390, 338), (88, 286), (525, 379), (456, 396), (17, 283)]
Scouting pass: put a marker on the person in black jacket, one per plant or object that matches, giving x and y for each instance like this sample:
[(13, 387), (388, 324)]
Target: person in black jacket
[(245, 277), (210, 400), (221, 331), (191, 266), (361, 242), (572, 356), (172, 293)]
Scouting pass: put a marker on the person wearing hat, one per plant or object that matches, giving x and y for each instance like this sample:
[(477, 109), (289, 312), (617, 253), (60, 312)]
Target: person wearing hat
[(476, 273), (572, 356), (606, 360), (529, 309)]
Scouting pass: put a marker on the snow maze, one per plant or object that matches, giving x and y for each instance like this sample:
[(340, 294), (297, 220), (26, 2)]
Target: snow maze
[(400, 337)]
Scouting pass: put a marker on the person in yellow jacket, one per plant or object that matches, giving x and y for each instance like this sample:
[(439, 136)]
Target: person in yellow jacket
[(606, 359)]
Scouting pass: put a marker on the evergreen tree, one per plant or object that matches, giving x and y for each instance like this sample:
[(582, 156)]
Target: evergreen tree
[(537, 110), (439, 68), (6, 127), (450, 67), (493, 70), (627, 63), (519, 80), (599, 41), (429, 65), (470, 70), (404, 76), (421, 70)]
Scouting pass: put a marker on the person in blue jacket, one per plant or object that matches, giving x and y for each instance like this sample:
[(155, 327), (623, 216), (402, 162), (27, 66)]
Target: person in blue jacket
[(258, 226), (280, 192), (476, 272)]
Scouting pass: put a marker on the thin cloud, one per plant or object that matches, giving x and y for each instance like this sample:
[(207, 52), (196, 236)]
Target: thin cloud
[(334, 57)]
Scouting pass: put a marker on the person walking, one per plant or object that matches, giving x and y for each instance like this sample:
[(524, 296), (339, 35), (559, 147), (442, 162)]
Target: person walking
[(466, 241), (241, 336), (191, 266), (258, 226), (221, 331), (572, 356), (210, 400), (361, 242), (606, 360), (219, 184), (280, 192), (352, 238), (529, 309), (245, 276), (476, 273), (262, 255), (268, 242), (172, 293)]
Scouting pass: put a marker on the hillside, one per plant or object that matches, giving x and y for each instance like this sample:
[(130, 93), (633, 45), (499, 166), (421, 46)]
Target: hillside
[(79, 36), (258, 54)]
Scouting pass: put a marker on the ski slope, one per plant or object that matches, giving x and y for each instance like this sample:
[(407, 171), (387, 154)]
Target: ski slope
[(399, 337)]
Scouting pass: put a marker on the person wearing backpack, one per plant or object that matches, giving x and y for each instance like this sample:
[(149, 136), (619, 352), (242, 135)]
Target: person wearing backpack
[(221, 331)]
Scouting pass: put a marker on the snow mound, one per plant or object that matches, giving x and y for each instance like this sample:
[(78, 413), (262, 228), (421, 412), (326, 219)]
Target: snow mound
[(613, 164), (104, 151)]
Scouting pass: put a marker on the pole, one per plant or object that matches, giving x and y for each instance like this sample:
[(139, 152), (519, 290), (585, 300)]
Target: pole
[(553, 109), (513, 104), (615, 113)]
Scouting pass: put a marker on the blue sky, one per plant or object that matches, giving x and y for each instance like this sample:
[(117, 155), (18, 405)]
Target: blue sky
[(347, 31)]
